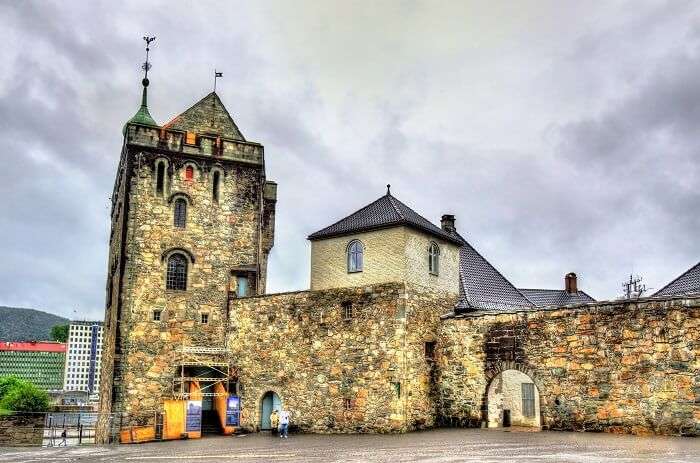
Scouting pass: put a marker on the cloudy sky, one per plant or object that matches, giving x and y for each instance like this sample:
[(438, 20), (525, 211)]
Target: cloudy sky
[(563, 135)]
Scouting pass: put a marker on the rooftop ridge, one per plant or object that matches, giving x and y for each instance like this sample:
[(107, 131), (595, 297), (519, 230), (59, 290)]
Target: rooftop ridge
[(679, 277)]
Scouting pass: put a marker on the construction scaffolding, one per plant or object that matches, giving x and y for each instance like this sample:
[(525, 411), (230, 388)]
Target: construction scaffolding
[(212, 367)]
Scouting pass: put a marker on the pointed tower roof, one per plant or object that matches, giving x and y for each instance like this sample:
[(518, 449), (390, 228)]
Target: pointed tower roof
[(207, 116), (385, 212), (142, 116)]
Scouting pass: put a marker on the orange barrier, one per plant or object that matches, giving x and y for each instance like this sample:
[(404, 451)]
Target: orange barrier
[(220, 405), (137, 434)]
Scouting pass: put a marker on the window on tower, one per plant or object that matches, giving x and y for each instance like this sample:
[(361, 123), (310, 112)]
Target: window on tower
[(189, 173), (180, 213), (177, 273), (160, 178), (215, 186)]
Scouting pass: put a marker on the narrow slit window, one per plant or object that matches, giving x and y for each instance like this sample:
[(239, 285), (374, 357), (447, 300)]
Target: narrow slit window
[(189, 173), (160, 178), (430, 350), (180, 213), (215, 186)]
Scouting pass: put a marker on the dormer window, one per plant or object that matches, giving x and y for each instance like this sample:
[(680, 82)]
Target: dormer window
[(355, 256), (434, 259)]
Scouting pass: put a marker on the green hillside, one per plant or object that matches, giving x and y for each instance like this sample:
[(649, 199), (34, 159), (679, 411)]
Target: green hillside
[(27, 324)]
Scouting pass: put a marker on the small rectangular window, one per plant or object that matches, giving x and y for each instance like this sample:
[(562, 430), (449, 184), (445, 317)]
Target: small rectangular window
[(156, 315), (347, 404), (241, 286), (430, 350), (191, 138), (205, 318), (347, 311), (397, 389)]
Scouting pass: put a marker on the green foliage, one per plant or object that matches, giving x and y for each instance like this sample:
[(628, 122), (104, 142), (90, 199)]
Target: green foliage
[(7, 383), (23, 396), (59, 333)]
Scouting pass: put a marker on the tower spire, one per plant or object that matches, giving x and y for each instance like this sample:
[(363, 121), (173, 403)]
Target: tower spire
[(142, 116)]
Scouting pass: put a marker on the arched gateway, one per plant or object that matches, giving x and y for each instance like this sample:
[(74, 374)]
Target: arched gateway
[(512, 396), (270, 401)]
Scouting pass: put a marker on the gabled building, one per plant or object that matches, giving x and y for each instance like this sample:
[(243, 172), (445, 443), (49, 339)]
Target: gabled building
[(385, 241), (687, 283), (558, 297)]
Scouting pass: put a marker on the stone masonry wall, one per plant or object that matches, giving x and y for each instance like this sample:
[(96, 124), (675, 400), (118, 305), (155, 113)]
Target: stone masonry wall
[(219, 236), (364, 374), (631, 367), (22, 430)]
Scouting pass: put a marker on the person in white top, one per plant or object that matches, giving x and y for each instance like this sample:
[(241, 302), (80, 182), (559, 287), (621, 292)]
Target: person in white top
[(284, 423)]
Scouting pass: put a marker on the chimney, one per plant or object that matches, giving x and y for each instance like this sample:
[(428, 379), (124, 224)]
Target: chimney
[(570, 285), (447, 223)]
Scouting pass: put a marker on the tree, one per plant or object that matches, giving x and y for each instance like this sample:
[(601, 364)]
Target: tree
[(59, 333), (24, 396), (7, 383)]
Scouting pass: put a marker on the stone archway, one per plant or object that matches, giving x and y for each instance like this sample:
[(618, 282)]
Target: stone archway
[(504, 391)]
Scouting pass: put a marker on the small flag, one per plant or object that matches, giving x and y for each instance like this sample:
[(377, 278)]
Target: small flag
[(218, 74)]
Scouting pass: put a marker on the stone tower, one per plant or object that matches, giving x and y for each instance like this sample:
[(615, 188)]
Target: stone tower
[(192, 226)]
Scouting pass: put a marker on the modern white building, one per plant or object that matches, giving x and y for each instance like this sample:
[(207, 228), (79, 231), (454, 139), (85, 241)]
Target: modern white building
[(83, 357)]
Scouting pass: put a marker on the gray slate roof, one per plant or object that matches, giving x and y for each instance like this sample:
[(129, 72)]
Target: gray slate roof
[(385, 212), (483, 287), (555, 297), (688, 282)]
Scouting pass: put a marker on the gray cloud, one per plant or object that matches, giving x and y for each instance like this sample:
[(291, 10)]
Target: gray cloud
[(562, 136)]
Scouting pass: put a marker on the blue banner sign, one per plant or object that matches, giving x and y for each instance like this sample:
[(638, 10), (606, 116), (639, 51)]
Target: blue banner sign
[(233, 411), (193, 420)]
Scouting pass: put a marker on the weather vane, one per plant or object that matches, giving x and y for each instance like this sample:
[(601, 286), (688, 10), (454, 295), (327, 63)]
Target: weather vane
[(216, 76), (146, 65)]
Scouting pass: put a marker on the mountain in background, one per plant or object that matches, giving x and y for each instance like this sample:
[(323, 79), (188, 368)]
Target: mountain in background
[(27, 324)]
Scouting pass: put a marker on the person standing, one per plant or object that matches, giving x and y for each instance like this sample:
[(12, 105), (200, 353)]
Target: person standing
[(284, 423), (275, 421)]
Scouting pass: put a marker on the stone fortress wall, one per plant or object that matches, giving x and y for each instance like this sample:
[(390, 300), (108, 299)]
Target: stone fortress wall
[(630, 367), (362, 370)]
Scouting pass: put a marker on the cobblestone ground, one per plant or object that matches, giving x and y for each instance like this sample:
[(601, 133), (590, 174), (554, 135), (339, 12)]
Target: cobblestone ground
[(445, 445)]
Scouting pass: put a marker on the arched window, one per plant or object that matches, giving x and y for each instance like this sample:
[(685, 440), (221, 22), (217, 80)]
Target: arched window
[(177, 273), (180, 213), (189, 173), (160, 178), (355, 251), (215, 186), (434, 259)]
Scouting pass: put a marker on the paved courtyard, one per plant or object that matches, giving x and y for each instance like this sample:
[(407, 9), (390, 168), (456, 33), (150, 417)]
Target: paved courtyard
[(445, 445)]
